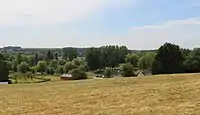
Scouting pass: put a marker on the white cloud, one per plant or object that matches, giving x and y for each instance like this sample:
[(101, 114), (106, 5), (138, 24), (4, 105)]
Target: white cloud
[(38, 12), (182, 32)]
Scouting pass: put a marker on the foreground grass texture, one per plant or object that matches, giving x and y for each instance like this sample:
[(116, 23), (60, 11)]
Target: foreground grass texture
[(156, 95)]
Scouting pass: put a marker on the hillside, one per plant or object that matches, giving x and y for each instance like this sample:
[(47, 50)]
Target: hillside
[(166, 95)]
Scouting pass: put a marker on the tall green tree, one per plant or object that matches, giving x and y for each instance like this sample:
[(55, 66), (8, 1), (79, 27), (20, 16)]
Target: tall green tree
[(53, 64), (168, 60), (49, 55), (127, 70), (132, 59), (19, 58), (142, 63), (191, 64), (41, 66), (14, 65), (69, 53), (69, 66), (93, 58), (4, 70), (149, 58), (23, 67)]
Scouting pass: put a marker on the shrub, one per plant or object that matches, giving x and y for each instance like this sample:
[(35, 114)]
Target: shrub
[(23, 67), (107, 72), (78, 74), (127, 70), (50, 70)]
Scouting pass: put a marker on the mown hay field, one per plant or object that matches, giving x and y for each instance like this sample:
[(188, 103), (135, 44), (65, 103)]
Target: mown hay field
[(155, 95)]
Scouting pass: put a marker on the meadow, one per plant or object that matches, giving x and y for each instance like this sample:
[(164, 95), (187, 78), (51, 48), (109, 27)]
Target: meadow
[(154, 95)]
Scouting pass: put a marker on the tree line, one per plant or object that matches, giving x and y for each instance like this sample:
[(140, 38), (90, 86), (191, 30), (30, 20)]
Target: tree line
[(168, 59)]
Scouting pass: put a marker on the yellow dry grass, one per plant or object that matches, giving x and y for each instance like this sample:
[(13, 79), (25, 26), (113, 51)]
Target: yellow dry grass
[(156, 95)]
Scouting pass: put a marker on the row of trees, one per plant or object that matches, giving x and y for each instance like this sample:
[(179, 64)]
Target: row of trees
[(169, 58)]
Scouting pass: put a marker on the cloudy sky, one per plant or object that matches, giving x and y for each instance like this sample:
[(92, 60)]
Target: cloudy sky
[(139, 24)]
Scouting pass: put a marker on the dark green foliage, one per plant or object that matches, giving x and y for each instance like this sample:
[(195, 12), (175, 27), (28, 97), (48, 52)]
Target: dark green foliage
[(56, 55), (105, 56), (69, 66), (23, 67), (127, 70), (191, 64), (50, 70), (69, 53), (49, 56), (133, 59), (53, 64), (146, 61), (108, 72), (14, 65), (93, 58), (41, 66), (4, 71), (142, 63), (36, 59), (19, 58), (78, 74), (61, 62), (168, 60), (60, 70), (83, 68)]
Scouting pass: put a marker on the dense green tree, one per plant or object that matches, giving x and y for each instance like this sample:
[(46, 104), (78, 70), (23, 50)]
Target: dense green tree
[(69, 53), (35, 59), (78, 74), (196, 51), (31, 61), (149, 58), (60, 70), (14, 65), (69, 66), (50, 70), (168, 60), (93, 58), (49, 56), (133, 59), (56, 55), (19, 58), (41, 66), (142, 63), (53, 64), (83, 68), (127, 70), (191, 64), (23, 67), (4, 71)]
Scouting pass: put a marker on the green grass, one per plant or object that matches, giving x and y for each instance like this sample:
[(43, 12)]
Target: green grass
[(155, 95)]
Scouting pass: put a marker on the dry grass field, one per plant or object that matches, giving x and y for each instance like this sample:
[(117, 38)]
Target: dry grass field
[(156, 95)]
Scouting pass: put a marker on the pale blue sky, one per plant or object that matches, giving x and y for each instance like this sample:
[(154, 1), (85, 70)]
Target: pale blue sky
[(139, 24)]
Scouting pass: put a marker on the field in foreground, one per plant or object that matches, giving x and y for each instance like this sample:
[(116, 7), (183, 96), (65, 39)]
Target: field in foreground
[(156, 95)]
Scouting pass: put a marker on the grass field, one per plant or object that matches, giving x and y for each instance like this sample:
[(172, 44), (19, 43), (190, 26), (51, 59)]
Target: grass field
[(156, 95)]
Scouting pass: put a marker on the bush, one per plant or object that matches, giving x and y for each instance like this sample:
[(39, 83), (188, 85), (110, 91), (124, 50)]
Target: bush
[(23, 67), (78, 74), (107, 72), (127, 70), (60, 70), (50, 70), (69, 66)]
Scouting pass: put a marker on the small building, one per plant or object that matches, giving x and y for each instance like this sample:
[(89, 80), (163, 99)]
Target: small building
[(66, 77)]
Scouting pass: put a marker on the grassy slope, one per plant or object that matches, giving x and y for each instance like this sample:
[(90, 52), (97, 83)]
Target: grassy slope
[(158, 95)]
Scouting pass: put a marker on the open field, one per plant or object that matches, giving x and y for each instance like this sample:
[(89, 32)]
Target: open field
[(156, 95)]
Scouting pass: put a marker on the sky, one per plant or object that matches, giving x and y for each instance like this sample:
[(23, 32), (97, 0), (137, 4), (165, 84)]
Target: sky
[(138, 24)]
